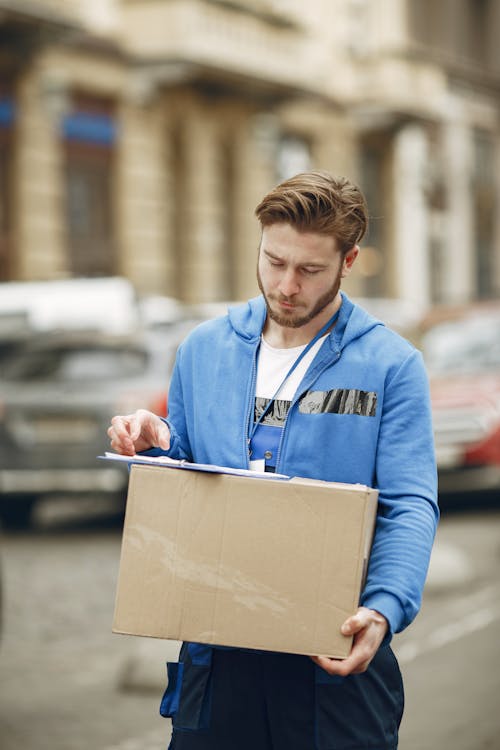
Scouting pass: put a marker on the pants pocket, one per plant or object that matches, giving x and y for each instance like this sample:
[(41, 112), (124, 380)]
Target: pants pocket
[(170, 701), (360, 710), (187, 699), (321, 677)]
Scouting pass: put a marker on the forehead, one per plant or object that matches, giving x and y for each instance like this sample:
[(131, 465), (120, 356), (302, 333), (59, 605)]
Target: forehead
[(286, 242)]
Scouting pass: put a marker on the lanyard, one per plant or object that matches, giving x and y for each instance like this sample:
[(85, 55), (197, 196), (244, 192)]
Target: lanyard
[(292, 368)]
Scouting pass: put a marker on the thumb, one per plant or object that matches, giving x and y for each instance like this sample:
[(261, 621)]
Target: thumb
[(161, 434), (348, 627), (354, 624)]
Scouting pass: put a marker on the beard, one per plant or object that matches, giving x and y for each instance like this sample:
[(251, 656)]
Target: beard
[(295, 320)]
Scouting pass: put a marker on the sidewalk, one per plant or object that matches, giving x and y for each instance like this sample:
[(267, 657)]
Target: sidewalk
[(450, 567)]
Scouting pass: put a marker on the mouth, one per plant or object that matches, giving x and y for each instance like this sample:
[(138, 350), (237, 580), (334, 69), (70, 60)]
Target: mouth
[(286, 305)]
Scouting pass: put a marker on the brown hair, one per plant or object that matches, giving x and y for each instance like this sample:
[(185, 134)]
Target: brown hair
[(318, 202)]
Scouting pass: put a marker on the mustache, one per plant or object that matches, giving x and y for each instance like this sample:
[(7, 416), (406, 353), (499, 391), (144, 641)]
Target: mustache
[(283, 298)]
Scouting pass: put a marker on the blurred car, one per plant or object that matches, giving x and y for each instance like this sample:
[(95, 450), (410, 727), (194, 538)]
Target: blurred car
[(461, 348), (57, 395), (166, 322), (100, 304)]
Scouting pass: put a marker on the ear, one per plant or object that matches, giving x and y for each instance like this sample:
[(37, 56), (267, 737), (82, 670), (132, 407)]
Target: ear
[(349, 259)]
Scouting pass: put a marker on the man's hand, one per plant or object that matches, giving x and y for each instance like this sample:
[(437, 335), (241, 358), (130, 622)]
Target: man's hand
[(138, 432), (368, 628)]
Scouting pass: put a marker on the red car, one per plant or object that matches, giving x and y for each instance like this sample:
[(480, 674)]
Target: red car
[(462, 354)]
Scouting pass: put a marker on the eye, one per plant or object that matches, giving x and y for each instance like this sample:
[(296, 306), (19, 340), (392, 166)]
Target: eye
[(311, 271)]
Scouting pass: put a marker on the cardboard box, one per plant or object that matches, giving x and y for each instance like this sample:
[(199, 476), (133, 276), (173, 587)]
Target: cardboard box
[(241, 561)]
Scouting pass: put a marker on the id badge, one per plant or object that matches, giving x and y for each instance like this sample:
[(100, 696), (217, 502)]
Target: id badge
[(259, 464)]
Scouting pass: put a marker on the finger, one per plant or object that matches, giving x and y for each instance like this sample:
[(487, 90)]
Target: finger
[(325, 662), (121, 428), (120, 437), (145, 424), (340, 667), (135, 428), (125, 449), (357, 662), (122, 446)]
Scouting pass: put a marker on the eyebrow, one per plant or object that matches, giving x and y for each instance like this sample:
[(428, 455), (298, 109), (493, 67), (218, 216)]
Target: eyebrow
[(309, 264)]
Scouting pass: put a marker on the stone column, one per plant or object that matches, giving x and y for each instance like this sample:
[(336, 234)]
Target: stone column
[(39, 222), (459, 236), (142, 198), (335, 149), (335, 146), (254, 177), (496, 243), (410, 280), (203, 240)]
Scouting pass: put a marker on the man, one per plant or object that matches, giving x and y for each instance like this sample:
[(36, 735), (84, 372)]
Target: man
[(302, 381)]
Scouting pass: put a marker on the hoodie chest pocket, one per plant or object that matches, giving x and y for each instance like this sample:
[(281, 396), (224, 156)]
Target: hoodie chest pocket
[(339, 401)]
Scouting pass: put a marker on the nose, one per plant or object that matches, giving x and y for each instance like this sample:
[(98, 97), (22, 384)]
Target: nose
[(289, 284)]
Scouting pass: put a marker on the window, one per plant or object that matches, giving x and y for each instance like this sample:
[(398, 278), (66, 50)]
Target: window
[(372, 260), (180, 200), (483, 203), (227, 201), (7, 116), (477, 19), (294, 156), (89, 133), (453, 30)]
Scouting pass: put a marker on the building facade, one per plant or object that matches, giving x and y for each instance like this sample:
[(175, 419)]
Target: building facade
[(136, 137)]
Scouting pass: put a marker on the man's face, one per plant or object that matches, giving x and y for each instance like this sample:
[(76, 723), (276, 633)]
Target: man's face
[(299, 274)]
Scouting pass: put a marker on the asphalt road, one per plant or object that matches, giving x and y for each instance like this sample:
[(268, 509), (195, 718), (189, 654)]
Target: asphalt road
[(68, 683)]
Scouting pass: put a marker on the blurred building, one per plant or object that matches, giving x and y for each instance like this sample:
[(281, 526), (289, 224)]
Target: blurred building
[(136, 137)]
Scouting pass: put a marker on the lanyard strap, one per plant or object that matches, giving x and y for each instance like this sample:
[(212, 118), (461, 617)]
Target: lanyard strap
[(295, 364)]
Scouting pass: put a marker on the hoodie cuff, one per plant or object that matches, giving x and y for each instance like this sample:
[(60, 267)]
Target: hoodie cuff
[(390, 607)]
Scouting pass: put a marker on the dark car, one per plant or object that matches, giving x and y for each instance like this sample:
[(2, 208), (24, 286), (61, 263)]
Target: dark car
[(57, 395), (462, 352)]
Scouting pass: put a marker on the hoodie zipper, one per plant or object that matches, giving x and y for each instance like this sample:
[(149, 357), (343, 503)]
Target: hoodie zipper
[(295, 400), (250, 406)]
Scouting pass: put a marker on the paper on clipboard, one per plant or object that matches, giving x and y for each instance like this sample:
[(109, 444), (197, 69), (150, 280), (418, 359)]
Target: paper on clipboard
[(174, 463)]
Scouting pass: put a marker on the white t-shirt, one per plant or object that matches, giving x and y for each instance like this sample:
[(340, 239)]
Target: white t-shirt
[(272, 368)]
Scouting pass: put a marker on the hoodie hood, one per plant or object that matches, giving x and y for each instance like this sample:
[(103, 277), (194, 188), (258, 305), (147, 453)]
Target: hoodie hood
[(247, 320)]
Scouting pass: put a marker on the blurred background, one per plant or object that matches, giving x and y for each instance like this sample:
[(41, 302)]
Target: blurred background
[(136, 138)]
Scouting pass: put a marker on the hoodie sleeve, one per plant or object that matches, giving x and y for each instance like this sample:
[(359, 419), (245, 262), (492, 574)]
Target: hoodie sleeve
[(408, 512), (176, 419)]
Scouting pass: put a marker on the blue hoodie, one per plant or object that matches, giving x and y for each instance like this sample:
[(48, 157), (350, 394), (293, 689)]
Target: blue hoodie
[(360, 415)]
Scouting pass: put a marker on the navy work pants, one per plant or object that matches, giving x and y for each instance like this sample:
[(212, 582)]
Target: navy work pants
[(249, 700)]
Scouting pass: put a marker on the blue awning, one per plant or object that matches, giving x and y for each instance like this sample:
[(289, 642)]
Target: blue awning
[(86, 127), (7, 112)]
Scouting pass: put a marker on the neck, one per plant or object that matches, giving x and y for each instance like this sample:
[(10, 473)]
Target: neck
[(285, 337)]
